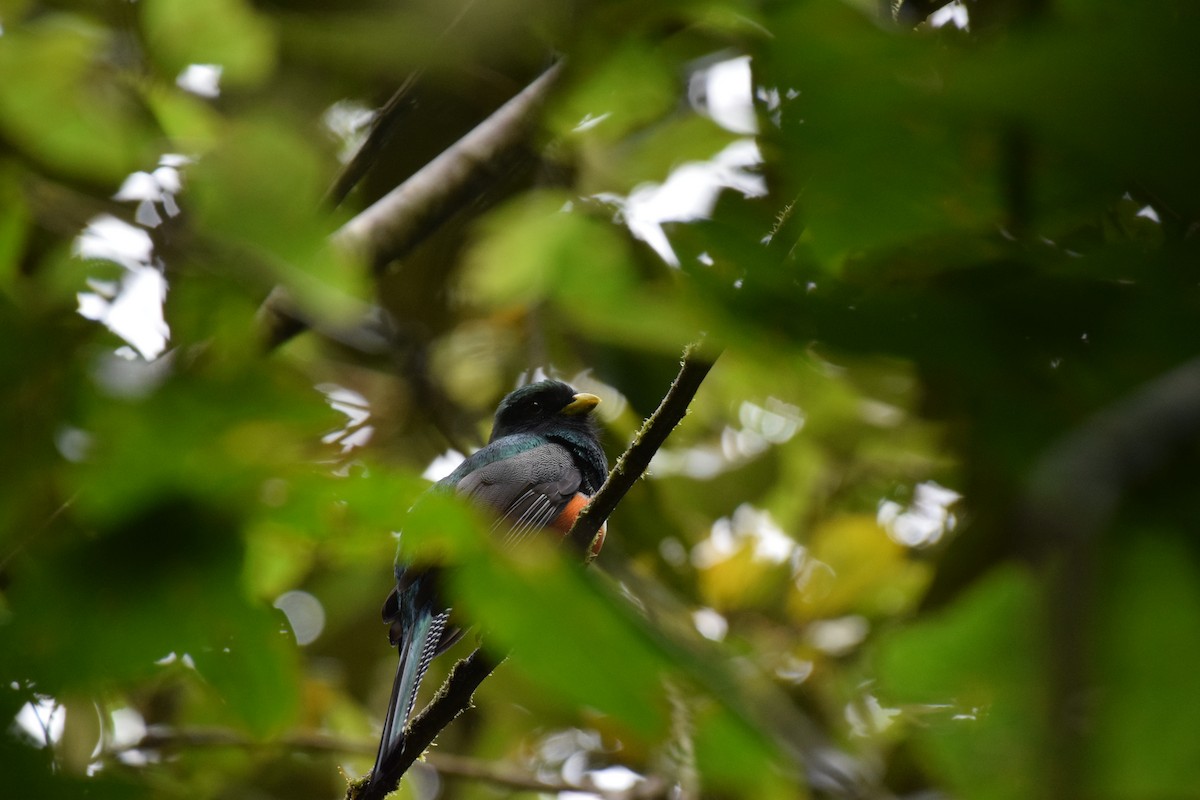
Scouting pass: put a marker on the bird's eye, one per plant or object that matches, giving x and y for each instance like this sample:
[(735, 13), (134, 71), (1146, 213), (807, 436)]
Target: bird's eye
[(535, 407)]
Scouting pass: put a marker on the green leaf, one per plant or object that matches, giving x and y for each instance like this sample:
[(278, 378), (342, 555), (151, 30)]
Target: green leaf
[(860, 570), (260, 189), (872, 157), (540, 248), (535, 604), (95, 613), (587, 647), (1102, 86), (972, 679), (14, 227), (227, 33), (191, 123), (70, 111), (227, 433), (1148, 644), (603, 102)]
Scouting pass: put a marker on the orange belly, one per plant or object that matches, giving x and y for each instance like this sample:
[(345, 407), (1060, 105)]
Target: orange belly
[(568, 515)]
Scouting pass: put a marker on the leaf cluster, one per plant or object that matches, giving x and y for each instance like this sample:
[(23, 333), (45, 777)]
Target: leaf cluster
[(927, 527)]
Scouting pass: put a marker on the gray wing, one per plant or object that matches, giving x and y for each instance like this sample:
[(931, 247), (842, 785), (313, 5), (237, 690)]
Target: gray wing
[(529, 489)]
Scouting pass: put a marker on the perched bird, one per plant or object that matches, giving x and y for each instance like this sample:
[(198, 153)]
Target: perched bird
[(537, 472)]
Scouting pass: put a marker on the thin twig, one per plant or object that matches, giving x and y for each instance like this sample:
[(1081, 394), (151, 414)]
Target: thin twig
[(162, 739), (384, 124), (634, 461)]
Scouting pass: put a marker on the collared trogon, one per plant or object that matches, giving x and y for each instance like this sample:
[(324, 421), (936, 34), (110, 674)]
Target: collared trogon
[(537, 472)]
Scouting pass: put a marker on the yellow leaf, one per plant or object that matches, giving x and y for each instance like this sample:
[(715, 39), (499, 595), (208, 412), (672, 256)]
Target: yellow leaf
[(853, 567)]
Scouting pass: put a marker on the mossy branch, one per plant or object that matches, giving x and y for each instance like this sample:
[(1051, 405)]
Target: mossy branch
[(633, 462)]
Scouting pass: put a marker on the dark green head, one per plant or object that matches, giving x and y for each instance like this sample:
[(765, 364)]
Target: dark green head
[(546, 407)]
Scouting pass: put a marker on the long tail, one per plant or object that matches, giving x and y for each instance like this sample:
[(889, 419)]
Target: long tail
[(418, 646)]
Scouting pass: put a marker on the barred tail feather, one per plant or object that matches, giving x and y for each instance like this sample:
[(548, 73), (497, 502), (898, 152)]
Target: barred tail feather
[(418, 648)]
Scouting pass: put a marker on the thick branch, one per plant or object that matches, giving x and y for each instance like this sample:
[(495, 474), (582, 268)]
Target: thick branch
[(403, 217), (634, 461), (410, 213)]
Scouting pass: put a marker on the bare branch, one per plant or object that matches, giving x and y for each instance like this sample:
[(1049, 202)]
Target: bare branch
[(403, 217), (407, 215)]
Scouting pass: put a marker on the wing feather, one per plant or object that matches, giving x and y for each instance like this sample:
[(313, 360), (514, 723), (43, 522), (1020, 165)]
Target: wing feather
[(528, 489)]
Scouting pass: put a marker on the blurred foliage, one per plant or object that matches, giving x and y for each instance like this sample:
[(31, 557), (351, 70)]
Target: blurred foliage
[(958, 242)]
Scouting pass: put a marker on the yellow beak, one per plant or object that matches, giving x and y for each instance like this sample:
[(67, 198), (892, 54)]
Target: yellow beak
[(580, 404)]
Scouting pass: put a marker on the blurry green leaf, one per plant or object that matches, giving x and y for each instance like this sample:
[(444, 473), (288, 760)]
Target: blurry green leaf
[(14, 225), (977, 667), (732, 761), (261, 188), (1104, 84), (1149, 642), (472, 362), (588, 648), (225, 435), (13, 9), (227, 33), (95, 614), (605, 103), (191, 124), (525, 248), (537, 249), (353, 518), (740, 581), (31, 771), (568, 638), (69, 111), (42, 384), (441, 527), (81, 733), (276, 558), (623, 166), (874, 159), (254, 670)]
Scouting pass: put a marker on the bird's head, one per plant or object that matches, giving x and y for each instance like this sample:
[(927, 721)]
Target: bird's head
[(545, 406)]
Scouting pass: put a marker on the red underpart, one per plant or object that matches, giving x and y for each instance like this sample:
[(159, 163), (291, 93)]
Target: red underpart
[(567, 516)]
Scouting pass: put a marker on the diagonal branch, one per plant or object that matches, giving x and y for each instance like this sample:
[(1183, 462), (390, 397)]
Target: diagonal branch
[(384, 124), (403, 217), (414, 210), (452, 699), (633, 462)]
